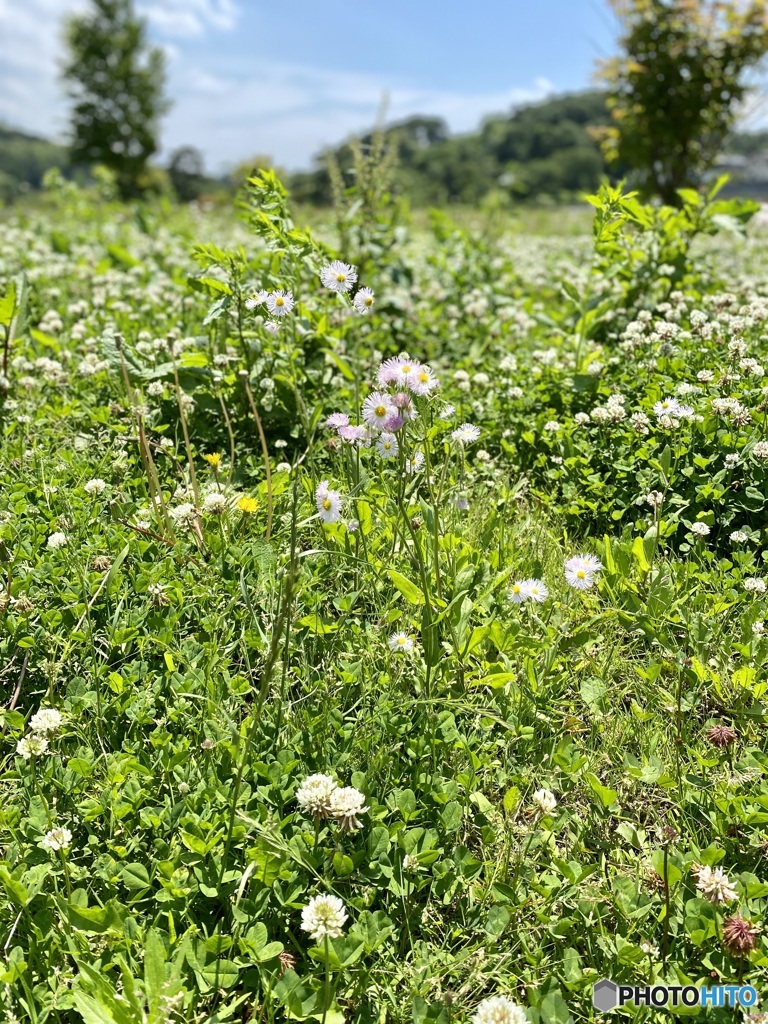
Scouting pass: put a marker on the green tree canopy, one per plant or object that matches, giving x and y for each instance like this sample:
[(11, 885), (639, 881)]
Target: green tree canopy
[(676, 87), (115, 80)]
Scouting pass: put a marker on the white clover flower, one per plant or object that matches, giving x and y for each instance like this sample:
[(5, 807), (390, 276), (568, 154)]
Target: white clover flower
[(328, 503), (324, 917), (280, 303), (314, 795), (155, 389), (466, 433), (58, 838), (402, 643), (499, 1010), (57, 540), (545, 800), (95, 486), (45, 721), (739, 537), (551, 426), (714, 885), (378, 408), (339, 277), (732, 460), (754, 585), (581, 419), (699, 529), (410, 863), (214, 504), (760, 451), (363, 300), (705, 376), (346, 804), (184, 513), (758, 628), (387, 446), (32, 746)]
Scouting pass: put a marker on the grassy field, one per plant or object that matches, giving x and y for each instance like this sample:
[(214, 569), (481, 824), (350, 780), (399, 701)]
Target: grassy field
[(390, 656)]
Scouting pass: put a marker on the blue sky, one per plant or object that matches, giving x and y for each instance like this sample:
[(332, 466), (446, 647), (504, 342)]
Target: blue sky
[(287, 77)]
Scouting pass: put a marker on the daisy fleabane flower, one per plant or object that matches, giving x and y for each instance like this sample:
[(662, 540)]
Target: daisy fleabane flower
[(346, 804), (314, 795), (58, 838), (400, 370), (536, 590), (415, 463), (324, 917), (336, 420), (378, 409), (423, 381), (714, 885), (338, 276), (46, 720), (402, 643), (499, 1010), (517, 592), (387, 446), (363, 300), (466, 433), (256, 299), (328, 503), (279, 303), (581, 571)]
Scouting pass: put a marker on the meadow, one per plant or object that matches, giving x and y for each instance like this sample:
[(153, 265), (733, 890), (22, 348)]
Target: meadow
[(383, 609)]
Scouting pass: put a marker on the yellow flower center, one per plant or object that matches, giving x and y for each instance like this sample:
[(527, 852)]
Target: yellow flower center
[(279, 301), (368, 300), (424, 377), (341, 277), (327, 504), (380, 410), (406, 368), (581, 574)]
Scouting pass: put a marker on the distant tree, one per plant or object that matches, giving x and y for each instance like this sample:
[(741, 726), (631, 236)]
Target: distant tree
[(676, 87), (115, 81), (187, 173)]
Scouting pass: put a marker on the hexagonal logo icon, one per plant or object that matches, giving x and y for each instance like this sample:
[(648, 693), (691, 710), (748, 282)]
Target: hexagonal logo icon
[(605, 995)]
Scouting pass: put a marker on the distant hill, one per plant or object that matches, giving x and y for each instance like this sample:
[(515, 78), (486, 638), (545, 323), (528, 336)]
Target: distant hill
[(24, 159), (539, 149)]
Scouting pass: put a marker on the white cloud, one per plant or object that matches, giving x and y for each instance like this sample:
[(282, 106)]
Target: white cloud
[(291, 112), (286, 111)]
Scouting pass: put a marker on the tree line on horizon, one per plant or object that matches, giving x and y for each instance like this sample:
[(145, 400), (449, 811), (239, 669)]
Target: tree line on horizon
[(665, 111)]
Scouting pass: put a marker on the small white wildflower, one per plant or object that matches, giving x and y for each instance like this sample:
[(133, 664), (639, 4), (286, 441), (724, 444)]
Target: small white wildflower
[(739, 537), (338, 276), (401, 642), (46, 721), (57, 540), (32, 746), (214, 504), (699, 529), (363, 300), (754, 585), (314, 795), (95, 486), (545, 800), (346, 804), (328, 503), (499, 1010), (279, 303), (466, 433), (56, 839), (714, 885), (324, 917)]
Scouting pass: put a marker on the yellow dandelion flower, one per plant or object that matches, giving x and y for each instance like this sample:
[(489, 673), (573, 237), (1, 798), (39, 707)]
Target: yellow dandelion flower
[(213, 460), (248, 505)]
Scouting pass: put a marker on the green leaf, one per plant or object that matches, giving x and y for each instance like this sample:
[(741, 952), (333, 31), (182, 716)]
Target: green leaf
[(409, 590), (607, 797)]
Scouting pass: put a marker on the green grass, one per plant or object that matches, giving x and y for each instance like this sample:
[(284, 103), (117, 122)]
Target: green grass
[(210, 642)]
